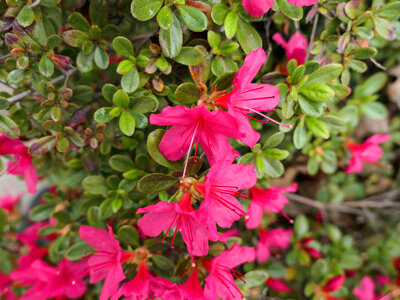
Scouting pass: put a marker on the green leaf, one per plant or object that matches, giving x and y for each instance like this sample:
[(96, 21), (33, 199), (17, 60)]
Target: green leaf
[(121, 163), (317, 91), (101, 58), (384, 28), (75, 38), (325, 74), (127, 123), (311, 108), (129, 235), (78, 21), (375, 110), (16, 76), (121, 98), (164, 17), (26, 16), (317, 127), (390, 10), (171, 39), (214, 39), (156, 182), (187, 93), (144, 105), (289, 10), (42, 212), (189, 56), (299, 137), (46, 66), (108, 91), (371, 85), (130, 81), (275, 153), (194, 19), (231, 24), (153, 140), (249, 38), (349, 261), (301, 226), (77, 251), (255, 278), (4, 104), (123, 46), (144, 10), (124, 66), (84, 62), (364, 53), (102, 115), (95, 185), (8, 127), (274, 140), (219, 12), (273, 168)]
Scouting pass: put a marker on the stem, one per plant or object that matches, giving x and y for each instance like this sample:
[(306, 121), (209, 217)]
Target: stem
[(314, 28)]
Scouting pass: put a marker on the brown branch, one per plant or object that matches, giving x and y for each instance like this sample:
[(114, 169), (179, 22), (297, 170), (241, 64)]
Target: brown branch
[(314, 29)]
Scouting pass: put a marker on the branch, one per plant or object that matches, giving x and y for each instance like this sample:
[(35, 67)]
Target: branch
[(31, 91), (314, 29), (36, 3)]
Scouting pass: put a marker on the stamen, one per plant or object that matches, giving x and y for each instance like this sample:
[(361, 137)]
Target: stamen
[(188, 153), (251, 90), (170, 225), (229, 205), (259, 98), (286, 216), (269, 216), (265, 116)]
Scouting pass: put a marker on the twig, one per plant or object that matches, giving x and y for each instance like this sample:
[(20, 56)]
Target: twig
[(377, 64), (36, 3), (145, 38), (5, 56), (314, 29), (268, 36), (31, 91)]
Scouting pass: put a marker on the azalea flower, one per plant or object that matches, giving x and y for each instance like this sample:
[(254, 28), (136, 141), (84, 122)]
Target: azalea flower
[(257, 8), (332, 285), (369, 151), (222, 184), (269, 200), (165, 216), (277, 285), (5, 287), (220, 282), (196, 126), (61, 281), (295, 48), (366, 291), (9, 201), (305, 246), (22, 166), (106, 262), (247, 98), (192, 288), (272, 239)]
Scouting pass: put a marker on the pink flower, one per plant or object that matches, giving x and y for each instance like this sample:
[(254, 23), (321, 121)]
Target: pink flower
[(8, 202), (23, 165), (192, 288), (295, 48), (220, 283), (270, 200), (366, 291), (369, 151), (247, 97), (193, 127), (61, 281), (277, 285), (107, 261), (333, 285), (221, 185), (276, 238), (256, 8), (305, 245), (228, 234), (5, 287), (164, 216)]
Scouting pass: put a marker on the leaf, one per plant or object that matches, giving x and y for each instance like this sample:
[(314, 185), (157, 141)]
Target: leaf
[(275, 153), (201, 72), (219, 12), (121, 163), (311, 108), (123, 46), (144, 105), (42, 145), (84, 62), (249, 39), (325, 74), (15, 76), (8, 127), (130, 81), (187, 93), (390, 10), (78, 21), (156, 182), (301, 226), (95, 185), (371, 85), (299, 137), (317, 127), (171, 39), (127, 123), (153, 140), (189, 56), (129, 235), (274, 140), (231, 24), (77, 251), (374, 110), (102, 115), (75, 38), (46, 66), (101, 58), (293, 12), (144, 10), (317, 91), (164, 17), (26, 16), (41, 212), (273, 168), (4, 104), (385, 29), (364, 53), (108, 91), (121, 98), (194, 19)]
